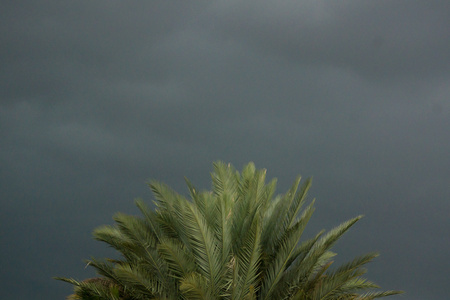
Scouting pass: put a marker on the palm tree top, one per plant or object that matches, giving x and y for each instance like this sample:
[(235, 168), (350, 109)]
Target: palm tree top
[(237, 241)]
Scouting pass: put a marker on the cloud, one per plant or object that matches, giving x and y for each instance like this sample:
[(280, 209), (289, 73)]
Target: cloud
[(98, 97), (381, 40)]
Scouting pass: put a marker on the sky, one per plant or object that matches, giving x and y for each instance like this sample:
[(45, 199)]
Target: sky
[(98, 97)]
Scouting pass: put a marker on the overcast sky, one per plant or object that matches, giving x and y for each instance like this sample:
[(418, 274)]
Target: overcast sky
[(97, 97)]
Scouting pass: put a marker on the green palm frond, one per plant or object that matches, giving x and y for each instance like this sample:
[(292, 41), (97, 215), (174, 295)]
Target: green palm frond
[(374, 295), (151, 219), (223, 226), (205, 247), (94, 289), (194, 287), (105, 269), (284, 255), (180, 261), (225, 179), (249, 259), (141, 281)]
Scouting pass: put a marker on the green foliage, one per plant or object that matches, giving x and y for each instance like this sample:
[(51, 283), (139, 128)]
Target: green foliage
[(237, 241)]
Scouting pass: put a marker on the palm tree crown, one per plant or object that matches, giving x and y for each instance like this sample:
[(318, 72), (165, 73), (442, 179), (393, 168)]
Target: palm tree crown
[(238, 241)]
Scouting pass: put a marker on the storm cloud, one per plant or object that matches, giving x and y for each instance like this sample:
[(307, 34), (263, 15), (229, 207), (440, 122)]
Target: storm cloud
[(99, 96)]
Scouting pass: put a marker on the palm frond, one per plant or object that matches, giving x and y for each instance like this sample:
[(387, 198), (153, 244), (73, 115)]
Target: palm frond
[(151, 218), (224, 180), (140, 281), (180, 261), (104, 268), (114, 238), (94, 288), (205, 247), (194, 286), (298, 202), (170, 211), (374, 295), (274, 224), (223, 227), (286, 249), (249, 260)]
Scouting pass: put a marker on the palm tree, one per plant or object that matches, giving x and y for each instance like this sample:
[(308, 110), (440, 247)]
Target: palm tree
[(238, 241)]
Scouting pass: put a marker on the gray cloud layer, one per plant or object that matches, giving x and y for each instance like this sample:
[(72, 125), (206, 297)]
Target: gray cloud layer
[(96, 97)]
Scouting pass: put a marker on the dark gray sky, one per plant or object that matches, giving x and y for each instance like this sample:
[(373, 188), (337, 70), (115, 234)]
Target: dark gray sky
[(99, 96)]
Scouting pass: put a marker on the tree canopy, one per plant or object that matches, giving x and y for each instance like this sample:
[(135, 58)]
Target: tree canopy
[(237, 241)]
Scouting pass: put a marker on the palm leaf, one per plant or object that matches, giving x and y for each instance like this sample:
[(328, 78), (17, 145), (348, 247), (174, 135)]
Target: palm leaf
[(205, 247), (249, 260), (193, 286), (180, 261), (284, 255)]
